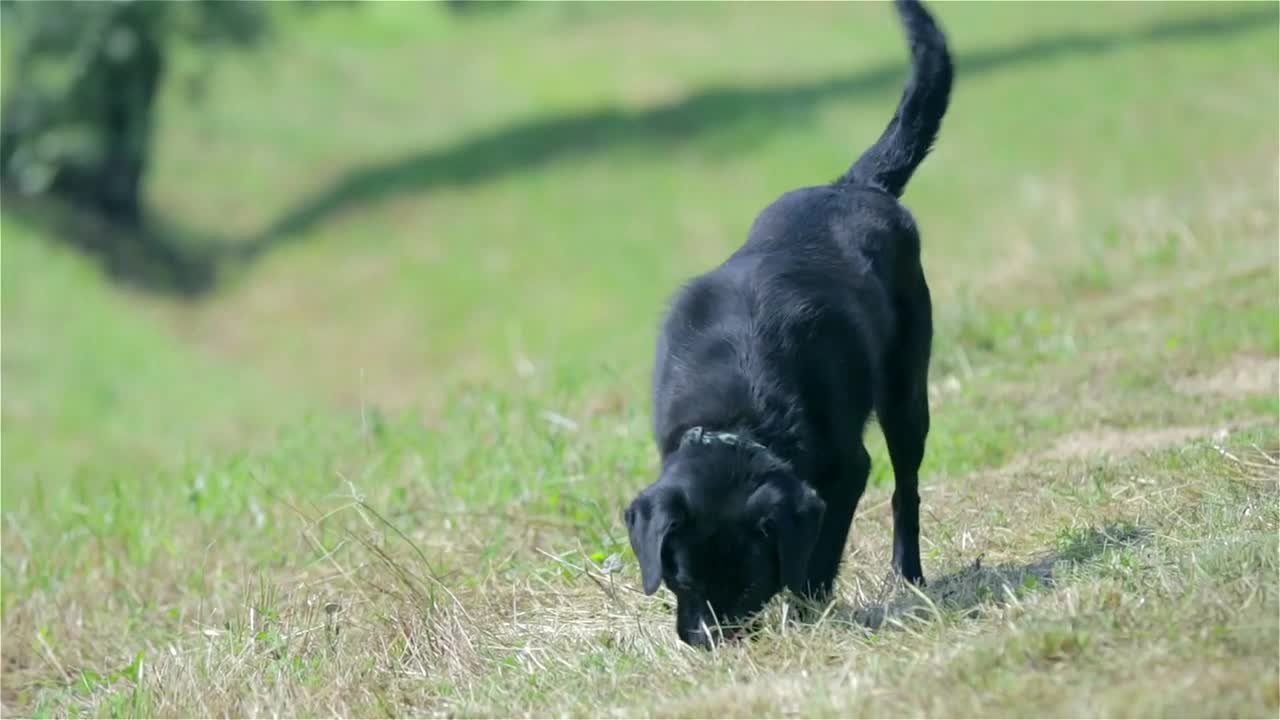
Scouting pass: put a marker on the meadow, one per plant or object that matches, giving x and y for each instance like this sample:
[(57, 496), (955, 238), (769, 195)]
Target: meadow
[(376, 465)]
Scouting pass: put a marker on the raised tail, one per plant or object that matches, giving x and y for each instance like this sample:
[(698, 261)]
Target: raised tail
[(889, 163)]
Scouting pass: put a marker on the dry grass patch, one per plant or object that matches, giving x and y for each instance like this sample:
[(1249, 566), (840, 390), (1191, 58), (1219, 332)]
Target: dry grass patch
[(1143, 586), (1244, 375)]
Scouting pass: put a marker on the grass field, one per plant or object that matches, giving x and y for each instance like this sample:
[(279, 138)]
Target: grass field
[(379, 468)]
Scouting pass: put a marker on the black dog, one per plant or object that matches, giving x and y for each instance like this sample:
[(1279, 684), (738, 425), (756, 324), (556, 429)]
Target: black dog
[(768, 368)]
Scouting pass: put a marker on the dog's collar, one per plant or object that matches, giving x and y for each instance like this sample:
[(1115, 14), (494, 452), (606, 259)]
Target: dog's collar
[(699, 435)]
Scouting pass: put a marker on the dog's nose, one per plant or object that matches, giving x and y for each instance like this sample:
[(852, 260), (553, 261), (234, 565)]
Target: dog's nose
[(705, 637), (699, 637)]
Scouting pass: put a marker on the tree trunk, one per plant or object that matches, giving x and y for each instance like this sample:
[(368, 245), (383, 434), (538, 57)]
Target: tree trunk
[(116, 96)]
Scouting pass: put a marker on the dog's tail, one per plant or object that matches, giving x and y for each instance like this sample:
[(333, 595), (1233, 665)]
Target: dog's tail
[(889, 163)]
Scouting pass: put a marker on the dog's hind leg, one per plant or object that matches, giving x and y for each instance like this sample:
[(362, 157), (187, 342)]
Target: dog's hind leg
[(903, 410)]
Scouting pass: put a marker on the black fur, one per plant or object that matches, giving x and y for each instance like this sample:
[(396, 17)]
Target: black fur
[(820, 318)]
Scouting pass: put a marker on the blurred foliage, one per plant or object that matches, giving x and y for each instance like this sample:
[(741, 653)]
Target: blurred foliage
[(81, 83)]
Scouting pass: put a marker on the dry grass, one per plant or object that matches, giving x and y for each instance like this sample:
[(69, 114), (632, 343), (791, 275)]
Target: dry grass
[(1137, 587)]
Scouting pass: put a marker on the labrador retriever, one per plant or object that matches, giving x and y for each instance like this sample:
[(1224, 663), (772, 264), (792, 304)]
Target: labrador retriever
[(768, 368)]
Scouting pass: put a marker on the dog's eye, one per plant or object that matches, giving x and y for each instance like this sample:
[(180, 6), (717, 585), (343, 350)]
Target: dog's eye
[(680, 583), (765, 527)]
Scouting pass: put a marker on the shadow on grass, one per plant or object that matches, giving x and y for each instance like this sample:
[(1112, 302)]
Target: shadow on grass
[(144, 258), (540, 141), (978, 588), (159, 258)]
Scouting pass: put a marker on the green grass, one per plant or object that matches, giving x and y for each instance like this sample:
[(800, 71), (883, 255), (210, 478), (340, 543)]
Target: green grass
[(380, 470)]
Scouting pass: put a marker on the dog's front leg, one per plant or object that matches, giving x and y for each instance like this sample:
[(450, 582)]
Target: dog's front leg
[(841, 494)]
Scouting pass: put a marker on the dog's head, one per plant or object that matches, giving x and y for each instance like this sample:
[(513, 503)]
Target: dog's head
[(725, 536)]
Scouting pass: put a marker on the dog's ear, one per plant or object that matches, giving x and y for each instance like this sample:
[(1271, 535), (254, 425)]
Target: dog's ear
[(650, 519), (790, 513)]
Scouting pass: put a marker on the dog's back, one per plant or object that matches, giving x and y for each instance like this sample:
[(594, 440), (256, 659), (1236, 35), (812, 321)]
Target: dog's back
[(788, 335), (816, 283)]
